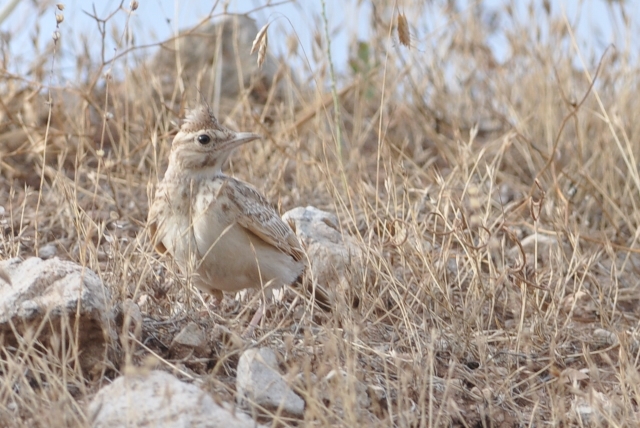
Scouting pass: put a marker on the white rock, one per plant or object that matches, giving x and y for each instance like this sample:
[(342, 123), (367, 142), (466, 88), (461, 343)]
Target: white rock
[(159, 399), (44, 292), (333, 257), (259, 382)]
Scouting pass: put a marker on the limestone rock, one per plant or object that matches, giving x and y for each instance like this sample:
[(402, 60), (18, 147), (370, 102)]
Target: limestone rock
[(158, 399), (56, 294), (258, 381), (334, 257)]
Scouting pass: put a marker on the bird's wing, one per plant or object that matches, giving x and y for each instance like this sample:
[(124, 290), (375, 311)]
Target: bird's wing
[(251, 210)]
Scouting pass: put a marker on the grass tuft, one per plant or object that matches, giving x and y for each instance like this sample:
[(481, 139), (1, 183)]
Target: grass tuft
[(494, 194)]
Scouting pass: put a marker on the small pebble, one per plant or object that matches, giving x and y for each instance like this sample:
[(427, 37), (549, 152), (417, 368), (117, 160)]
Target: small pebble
[(47, 251)]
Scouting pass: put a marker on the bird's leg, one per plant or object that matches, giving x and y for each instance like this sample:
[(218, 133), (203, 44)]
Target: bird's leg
[(265, 290), (257, 317), (217, 297)]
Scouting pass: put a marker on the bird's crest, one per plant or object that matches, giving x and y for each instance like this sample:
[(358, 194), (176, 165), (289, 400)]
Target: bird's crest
[(198, 119)]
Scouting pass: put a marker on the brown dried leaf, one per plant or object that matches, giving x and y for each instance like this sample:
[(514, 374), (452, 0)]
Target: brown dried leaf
[(403, 30), (5, 276)]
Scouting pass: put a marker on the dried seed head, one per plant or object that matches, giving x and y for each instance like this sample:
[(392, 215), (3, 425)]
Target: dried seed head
[(262, 52), (56, 36), (60, 6), (403, 30), (260, 44), (292, 45), (59, 18), (133, 5), (261, 34)]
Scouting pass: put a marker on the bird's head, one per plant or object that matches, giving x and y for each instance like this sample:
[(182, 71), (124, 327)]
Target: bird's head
[(203, 145)]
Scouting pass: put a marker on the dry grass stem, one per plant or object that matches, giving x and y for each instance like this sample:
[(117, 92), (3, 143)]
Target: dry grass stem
[(492, 194)]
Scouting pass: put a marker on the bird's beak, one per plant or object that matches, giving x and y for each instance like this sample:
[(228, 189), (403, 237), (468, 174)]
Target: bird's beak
[(239, 139)]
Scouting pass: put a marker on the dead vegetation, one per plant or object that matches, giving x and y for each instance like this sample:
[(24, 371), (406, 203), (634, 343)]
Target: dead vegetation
[(497, 201)]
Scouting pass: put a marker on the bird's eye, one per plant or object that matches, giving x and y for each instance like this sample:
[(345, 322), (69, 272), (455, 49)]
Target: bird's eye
[(204, 139)]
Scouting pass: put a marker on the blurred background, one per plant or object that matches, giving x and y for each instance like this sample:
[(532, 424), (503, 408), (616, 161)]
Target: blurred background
[(28, 26)]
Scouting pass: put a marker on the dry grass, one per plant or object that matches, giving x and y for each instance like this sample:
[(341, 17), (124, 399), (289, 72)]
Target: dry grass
[(498, 203)]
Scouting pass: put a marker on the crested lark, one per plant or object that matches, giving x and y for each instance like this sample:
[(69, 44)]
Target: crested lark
[(217, 227)]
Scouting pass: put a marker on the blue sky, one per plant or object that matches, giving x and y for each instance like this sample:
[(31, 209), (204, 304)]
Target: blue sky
[(157, 20)]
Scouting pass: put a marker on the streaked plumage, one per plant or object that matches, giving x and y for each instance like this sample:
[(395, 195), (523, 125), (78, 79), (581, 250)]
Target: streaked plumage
[(216, 227)]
